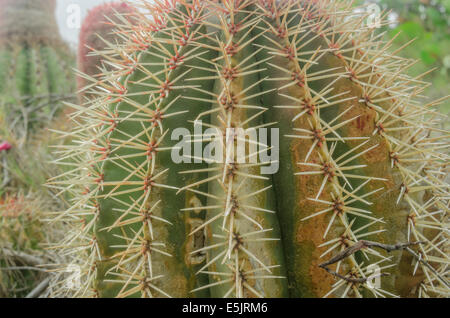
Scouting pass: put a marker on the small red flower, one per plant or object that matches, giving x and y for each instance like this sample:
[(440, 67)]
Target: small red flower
[(4, 146)]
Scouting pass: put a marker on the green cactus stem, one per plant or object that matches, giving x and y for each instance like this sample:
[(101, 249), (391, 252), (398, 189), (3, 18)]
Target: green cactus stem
[(245, 259), (341, 152), (358, 206)]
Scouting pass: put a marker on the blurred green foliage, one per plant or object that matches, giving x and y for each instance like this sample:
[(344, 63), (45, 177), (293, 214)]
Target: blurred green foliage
[(428, 22)]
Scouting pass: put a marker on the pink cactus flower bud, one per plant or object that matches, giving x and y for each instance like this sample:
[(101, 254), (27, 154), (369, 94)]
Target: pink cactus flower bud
[(4, 146)]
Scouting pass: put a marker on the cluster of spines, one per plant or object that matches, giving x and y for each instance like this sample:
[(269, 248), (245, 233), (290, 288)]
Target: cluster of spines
[(379, 75), (400, 120), (133, 268), (85, 156), (101, 147), (317, 136), (239, 222)]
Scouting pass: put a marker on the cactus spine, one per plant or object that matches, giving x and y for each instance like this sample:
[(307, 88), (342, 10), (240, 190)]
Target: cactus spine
[(360, 169)]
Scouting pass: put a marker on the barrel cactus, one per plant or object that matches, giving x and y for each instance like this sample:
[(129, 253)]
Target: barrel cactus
[(35, 63), (345, 196)]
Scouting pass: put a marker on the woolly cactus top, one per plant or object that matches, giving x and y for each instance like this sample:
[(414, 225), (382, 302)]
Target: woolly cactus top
[(26, 20), (97, 29)]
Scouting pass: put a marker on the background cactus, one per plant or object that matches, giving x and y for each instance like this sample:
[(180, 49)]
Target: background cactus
[(24, 205), (21, 234), (31, 20), (361, 162), (35, 64), (97, 35)]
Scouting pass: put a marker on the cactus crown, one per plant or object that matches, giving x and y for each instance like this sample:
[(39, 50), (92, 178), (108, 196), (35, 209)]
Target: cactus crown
[(28, 21), (360, 165)]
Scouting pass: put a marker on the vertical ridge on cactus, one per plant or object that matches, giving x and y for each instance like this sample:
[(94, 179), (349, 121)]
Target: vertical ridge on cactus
[(244, 255), (360, 159), (366, 82)]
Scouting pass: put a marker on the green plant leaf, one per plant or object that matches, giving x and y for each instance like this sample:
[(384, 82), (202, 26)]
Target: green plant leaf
[(410, 29)]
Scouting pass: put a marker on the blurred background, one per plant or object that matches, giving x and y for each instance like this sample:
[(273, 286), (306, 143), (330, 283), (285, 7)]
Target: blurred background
[(66, 13), (32, 111), (428, 22)]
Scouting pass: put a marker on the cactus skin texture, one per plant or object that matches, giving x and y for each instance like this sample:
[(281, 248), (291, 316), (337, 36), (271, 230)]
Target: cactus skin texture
[(96, 36), (35, 63), (361, 167)]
